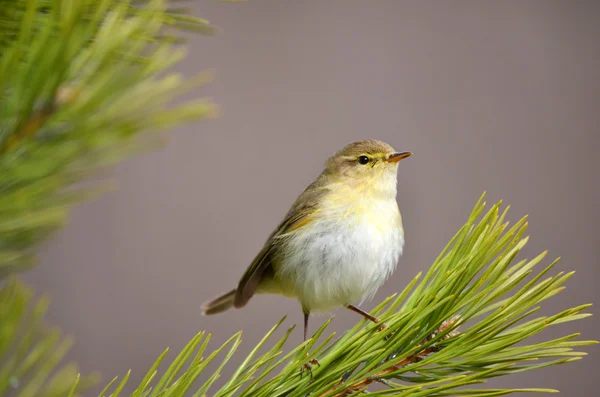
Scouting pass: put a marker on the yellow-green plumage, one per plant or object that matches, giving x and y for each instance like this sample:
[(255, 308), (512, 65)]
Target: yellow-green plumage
[(339, 241)]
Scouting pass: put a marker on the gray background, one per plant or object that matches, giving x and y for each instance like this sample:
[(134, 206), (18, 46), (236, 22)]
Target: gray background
[(500, 96)]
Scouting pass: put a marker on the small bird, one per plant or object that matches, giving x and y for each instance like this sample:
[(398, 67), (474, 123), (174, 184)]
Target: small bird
[(341, 239)]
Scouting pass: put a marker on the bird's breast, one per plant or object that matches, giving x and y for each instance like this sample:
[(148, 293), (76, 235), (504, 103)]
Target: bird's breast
[(344, 254)]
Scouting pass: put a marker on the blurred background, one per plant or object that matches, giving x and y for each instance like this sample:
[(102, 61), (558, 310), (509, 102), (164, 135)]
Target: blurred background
[(501, 96)]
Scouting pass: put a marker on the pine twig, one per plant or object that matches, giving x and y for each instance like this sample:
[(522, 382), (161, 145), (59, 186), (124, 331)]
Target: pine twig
[(413, 358), (39, 118), (29, 127)]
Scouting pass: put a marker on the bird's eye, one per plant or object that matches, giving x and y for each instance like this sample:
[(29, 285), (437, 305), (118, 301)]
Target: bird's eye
[(363, 160)]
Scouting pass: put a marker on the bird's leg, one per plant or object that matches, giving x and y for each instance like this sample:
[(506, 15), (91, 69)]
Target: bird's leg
[(366, 315), (306, 315), (308, 365)]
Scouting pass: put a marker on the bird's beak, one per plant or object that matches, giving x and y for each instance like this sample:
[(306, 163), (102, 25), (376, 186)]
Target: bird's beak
[(395, 157)]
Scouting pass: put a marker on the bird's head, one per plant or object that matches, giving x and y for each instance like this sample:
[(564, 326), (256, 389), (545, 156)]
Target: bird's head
[(368, 163)]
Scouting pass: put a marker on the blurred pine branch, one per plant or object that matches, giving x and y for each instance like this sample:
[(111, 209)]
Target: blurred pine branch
[(30, 351), (80, 82), (83, 84)]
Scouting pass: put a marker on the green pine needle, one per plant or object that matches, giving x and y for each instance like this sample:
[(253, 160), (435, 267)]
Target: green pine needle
[(30, 351), (83, 85)]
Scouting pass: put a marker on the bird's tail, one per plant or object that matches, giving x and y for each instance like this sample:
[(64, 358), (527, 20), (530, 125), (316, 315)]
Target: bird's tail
[(218, 305)]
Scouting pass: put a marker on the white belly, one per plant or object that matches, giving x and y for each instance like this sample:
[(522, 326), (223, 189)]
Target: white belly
[(327, 265)]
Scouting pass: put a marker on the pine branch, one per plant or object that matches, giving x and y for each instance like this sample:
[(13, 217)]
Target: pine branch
[(30, 351), (83, 84), (424, 350), (474, 284)]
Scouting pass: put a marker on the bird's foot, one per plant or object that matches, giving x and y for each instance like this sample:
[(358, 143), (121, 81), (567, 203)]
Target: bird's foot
[(308, 367)]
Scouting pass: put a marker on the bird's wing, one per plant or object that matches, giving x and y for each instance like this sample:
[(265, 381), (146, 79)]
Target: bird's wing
[(252, 277), (298, 216)]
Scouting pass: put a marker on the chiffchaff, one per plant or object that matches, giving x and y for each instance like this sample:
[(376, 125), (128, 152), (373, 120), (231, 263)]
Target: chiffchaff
[(339, 242)]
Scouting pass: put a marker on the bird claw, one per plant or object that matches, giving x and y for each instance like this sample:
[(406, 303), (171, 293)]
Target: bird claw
[(308, 367)]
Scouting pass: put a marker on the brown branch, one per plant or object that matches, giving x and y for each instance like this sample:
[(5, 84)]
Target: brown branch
[(363, 384), (415, 358), (37, 120), (29, 127)]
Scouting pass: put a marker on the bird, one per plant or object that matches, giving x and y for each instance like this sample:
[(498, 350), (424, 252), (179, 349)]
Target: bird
[(339, 242)]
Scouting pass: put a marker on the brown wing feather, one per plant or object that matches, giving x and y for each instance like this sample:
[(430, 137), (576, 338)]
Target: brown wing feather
[(252, 277), (298, 216)]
